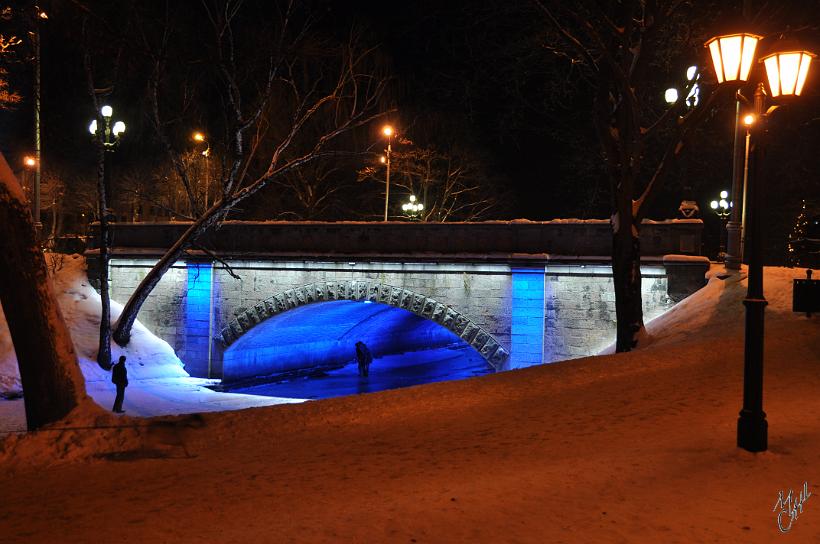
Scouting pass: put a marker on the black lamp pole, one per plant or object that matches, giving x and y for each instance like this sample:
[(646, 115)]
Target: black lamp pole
[(752, 428)]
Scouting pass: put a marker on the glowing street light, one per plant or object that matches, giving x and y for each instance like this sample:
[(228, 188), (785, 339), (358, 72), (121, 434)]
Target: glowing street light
[(109, 139), (388, 132), (732, 57), (722, 209), (199, 137), (412, 208), (671, 94)]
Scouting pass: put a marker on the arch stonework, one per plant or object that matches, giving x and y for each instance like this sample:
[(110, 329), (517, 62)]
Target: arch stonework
[(483, 342)]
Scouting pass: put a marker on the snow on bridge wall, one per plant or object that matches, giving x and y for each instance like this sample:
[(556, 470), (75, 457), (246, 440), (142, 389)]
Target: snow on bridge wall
[(536, 314)]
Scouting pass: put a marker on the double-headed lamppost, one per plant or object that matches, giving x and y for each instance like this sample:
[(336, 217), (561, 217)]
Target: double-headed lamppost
[(786, 71), (206, 153), (722, 209), (388, 132)]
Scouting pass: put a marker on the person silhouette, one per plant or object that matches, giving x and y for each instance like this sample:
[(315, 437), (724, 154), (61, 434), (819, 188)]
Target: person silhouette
[(119, 376), (364, 357)]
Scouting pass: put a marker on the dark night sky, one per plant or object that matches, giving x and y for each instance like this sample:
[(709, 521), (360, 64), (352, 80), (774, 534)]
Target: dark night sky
[(461, 74)]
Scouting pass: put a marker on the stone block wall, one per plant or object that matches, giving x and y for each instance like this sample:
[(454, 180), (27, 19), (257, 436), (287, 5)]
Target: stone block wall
[(537, 314), (481, 292)]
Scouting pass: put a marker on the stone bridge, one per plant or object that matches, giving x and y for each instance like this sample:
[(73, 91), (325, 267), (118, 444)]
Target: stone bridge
[(519, 293)]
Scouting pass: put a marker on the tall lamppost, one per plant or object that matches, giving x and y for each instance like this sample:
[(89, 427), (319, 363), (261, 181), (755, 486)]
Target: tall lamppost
[(786, 71), (206, 153), (722, 209), (40, 15), (387, 130), (106, 143)]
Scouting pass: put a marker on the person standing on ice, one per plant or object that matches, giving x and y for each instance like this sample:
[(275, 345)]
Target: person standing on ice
[(119, 376), (364, 357)]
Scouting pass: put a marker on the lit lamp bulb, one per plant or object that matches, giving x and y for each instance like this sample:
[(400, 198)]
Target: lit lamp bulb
[(92, 128), (119, 128), (107, 111), (748, 120), (387, 131), (30, 161)]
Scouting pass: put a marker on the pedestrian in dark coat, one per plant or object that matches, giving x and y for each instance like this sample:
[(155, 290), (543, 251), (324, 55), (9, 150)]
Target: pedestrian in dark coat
[(119, 376), (364, 357)]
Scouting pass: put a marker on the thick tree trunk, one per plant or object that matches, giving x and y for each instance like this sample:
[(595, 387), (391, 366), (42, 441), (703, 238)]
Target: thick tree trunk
[(52, 382), (626, 273)]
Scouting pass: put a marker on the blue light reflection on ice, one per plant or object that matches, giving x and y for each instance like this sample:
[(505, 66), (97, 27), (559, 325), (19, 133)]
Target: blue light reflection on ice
[(407, 349)]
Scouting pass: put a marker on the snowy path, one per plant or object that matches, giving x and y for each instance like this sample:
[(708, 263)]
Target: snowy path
[(636, 447)]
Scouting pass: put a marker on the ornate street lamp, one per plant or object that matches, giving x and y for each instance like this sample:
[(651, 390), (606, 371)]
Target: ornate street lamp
[(722, 209), (412, 208), (106, 141), (732, 56), (388, 132)]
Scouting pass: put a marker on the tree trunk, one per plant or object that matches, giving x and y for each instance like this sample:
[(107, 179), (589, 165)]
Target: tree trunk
[(626, 274), (51, 378), (122, 334), (104, 349)]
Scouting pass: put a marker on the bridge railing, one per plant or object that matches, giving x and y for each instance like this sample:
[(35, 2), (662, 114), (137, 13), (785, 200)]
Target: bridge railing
[(565, 237)]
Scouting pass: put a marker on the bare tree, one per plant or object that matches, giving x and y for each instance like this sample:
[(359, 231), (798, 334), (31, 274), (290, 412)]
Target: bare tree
[(304, 100), (452, 186), (618, 44), (51, 377)]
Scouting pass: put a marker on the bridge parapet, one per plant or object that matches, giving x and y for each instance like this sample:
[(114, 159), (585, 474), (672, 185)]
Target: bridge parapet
[(565, 237)]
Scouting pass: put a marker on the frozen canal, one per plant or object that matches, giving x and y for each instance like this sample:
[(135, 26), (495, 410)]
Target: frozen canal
[(390, 372)]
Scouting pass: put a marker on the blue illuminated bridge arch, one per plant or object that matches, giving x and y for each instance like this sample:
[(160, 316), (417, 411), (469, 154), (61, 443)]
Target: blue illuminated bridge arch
[(359, 305)]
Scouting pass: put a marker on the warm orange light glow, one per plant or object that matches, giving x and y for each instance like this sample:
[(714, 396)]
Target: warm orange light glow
[(748, 120), (198, 136), (387, 130), (787, 71), (29, 161), (732, 55), (382, 159)]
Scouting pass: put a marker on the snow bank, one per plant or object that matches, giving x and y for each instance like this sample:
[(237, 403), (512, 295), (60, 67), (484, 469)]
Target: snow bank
[(148, 356)]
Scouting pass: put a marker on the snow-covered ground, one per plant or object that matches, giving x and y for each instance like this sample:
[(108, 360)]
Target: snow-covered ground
[(635, 447), (158, 383)]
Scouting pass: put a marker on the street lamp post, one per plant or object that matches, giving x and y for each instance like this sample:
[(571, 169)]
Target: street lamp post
[(40, 16), (732, 57), (412, 208), (107, 141), (722, 208), (388, 132), (200, 138)]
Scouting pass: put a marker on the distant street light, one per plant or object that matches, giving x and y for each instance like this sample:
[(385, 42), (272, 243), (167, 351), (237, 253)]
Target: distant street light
[(206, 153), (732, 57), (412, 208), (388, 131), (722, 209), (29, 163), (671, 94)]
